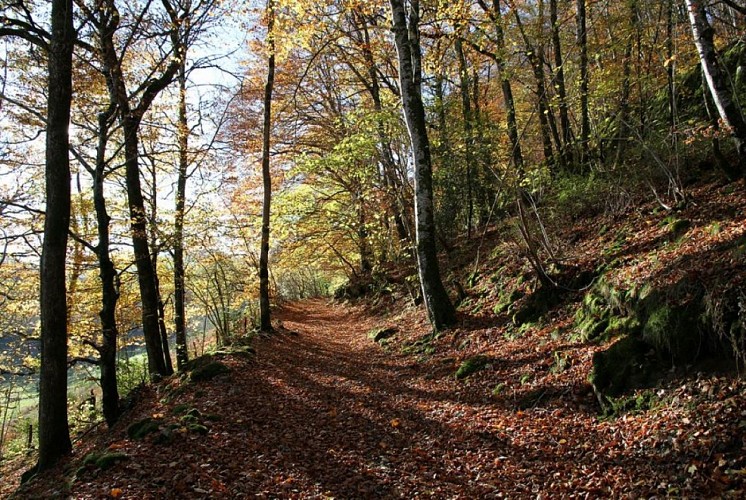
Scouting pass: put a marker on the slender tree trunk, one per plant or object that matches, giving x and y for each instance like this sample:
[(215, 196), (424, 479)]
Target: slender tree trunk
[(108, 276), (468, 134), (130, 118), (671, 67), (54, 433), (537, 66), (397, 195), (624, 108), (182, 352), (559, 79), (143, 261), (507, 91), (585, 121), (265, 323), (439, 307), (717, 79)]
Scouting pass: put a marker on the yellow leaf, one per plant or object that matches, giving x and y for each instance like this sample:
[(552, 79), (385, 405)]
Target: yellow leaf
[(115, 492), (395, 423)]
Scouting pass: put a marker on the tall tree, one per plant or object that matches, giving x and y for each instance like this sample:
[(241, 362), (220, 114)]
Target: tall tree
[(717, 78), (264, 309), (130, 116), (182, 353), (585, 120), (54, 433), (440, 310), (559, 81)]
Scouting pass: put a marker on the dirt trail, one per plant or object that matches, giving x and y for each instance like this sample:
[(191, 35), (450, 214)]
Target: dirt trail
[(324, 412)]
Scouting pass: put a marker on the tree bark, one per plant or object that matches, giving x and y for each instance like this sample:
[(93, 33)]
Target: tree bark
[(536, 60), (130, 118), (717, 80), (108, 276), (141, 248), (585, 121), (182, 352), (54, 432), (468, 133), (440, 310), (559, 79), (264, 306)]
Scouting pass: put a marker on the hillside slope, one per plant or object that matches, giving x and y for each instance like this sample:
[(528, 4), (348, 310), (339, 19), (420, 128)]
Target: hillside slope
[(361, 401)]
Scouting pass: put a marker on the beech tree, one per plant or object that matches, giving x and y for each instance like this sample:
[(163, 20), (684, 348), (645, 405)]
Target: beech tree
[(440, 310), (264, 322), (54, 434)]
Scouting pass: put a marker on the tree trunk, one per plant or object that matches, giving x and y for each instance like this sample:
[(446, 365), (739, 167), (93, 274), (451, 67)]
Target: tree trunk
[(468, 134), (108, 276), (439, 307), (397, 195), (182, 352), (585, 121), (143, 260), (130, 118), (54, 433), (507, 90), (717, 79), (265, 322), (559, 79), (536, 61)]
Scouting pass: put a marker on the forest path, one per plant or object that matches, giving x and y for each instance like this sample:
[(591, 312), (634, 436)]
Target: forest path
[(344, 418), (321, 411)]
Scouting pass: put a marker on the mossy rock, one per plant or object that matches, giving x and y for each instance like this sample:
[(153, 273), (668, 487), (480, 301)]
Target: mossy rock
[(180, 409), (244, 351), (198, 428), (208, 371), (139, 430), (678, 228), (378, 335), (471, 366), (674, 331), (104, 460), (507, 300), (628, 363), (199, 362), (165, 436)]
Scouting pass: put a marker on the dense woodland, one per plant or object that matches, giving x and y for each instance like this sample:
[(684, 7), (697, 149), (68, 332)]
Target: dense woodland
[(172, 171)]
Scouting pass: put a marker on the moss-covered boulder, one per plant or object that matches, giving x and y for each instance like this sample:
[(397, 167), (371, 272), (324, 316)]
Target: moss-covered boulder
[(141, 428), (629, 363), (536, 305), (208, 371), (472, 365), (379, 335), (103, 460)]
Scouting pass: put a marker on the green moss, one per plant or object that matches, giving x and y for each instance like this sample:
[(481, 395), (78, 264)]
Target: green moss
[(471, 366), (142, 428), (180, 409), (621, 366), (674, 331), (208, 371), (104, 460), (636, 403), (498, 389), (197, 428), (378, 335), (507, 300)]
